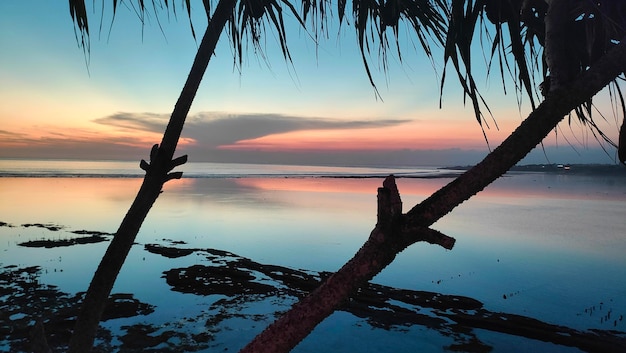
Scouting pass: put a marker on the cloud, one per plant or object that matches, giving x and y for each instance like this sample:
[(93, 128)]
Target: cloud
[(129, 136), (70, 142), (69, 148), (213, 129), (151, 122), (11, 135)]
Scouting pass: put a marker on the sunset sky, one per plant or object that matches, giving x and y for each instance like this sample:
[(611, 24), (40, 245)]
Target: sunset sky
[(55, 102)]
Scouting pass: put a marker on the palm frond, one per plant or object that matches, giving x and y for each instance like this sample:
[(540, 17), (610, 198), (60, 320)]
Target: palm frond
[(318, 13), (374, 20), (250, 22), (519, 34), (78, 11), (143, 10), (462, 21), (598, 27)]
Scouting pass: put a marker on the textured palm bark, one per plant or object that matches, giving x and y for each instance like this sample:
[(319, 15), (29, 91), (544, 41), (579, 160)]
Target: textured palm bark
[(557, 50), (394, 232), (157, 173)]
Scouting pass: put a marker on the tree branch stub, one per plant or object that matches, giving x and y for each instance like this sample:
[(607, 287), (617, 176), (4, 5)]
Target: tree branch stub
[(392, 222), (389, 202)]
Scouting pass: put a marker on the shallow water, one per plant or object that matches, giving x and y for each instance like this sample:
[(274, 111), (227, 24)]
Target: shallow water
[(553, 244)]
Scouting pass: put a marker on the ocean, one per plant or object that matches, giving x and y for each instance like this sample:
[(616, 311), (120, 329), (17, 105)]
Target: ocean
[(543, 245), (128, 169)]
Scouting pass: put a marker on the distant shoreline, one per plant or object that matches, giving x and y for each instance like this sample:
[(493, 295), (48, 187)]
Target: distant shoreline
[(578, 169)]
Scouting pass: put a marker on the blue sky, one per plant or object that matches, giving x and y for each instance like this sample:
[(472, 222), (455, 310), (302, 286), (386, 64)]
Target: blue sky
[(113, 104)]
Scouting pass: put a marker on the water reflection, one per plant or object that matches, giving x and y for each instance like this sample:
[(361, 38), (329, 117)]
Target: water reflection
[(553, 245), (81, 202)]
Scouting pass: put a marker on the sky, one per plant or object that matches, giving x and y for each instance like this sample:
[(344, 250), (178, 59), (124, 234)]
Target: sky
[(58, 103)]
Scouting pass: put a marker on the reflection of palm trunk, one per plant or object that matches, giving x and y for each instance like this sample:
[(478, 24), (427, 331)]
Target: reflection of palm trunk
[(387, 241), (558, 43), (156, 175)]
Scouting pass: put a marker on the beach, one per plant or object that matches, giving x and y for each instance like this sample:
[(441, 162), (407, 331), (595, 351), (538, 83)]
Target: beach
[(546, 246)]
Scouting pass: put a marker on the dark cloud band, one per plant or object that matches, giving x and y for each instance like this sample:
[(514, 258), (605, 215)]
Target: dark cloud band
[(214, 129)]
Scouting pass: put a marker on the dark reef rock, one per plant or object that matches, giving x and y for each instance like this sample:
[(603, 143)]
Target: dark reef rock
[(50, 227), (49, 243), (228, 281), (239, 284), (167, 251), (90, 232), (382, 306), (26, 300)]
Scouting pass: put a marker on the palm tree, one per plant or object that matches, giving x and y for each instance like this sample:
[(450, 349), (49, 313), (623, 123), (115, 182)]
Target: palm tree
[(158, 172), (528, 32)]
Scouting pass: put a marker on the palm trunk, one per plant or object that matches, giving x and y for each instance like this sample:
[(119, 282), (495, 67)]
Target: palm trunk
[(557, 50), (388, 239), (157, 173)]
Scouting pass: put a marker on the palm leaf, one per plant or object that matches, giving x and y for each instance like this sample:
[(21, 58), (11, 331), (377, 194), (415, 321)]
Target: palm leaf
[(78, 12), (463, 19)]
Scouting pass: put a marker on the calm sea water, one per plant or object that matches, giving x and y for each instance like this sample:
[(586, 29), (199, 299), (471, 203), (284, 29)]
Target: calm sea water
[(554, 243), (128, 169)]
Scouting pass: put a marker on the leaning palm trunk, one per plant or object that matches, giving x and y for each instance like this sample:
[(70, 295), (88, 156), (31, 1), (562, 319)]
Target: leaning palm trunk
[(157, 173), (396, 231)]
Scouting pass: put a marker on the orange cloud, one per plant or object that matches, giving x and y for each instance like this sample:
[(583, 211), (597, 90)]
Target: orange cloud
[(58, 135), (83, 143), (412, 135)]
